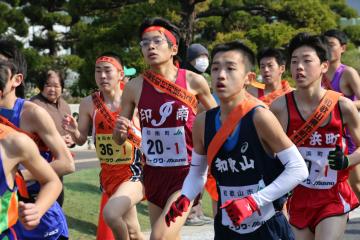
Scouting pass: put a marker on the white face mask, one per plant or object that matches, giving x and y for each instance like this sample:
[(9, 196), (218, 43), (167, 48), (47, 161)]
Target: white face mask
[(201, 64)]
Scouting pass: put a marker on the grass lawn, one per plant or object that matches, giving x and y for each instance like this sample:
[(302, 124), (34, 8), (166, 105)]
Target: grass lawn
[(81, 206)]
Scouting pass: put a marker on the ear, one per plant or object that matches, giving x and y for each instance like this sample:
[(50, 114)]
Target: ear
[(121, 75), (343, 48), (18, 79), (282, 68), (175, 49), (324, 67), (250, 77)]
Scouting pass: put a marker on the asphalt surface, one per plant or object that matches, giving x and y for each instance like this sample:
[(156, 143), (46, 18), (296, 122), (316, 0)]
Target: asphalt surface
[(86, 158)]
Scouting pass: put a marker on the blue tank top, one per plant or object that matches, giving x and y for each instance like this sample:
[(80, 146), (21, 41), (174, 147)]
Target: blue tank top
[(240, 168)]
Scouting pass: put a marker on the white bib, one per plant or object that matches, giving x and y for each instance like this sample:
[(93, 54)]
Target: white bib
[(253, 222), (320, 174), (164, 147)]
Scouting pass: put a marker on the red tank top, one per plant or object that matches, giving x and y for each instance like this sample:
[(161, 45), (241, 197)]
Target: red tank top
[(112, 156), (166, 125), (315, 149)]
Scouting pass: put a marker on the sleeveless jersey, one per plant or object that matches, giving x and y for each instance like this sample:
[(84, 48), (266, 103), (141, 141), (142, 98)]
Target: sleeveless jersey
[(335, 84), (8, 196), (53, 223), (316, 149), (240, 168), (166, 125), (120, 160)]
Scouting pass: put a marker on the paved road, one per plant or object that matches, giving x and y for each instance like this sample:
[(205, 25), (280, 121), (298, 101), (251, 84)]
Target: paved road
[(85, 158)]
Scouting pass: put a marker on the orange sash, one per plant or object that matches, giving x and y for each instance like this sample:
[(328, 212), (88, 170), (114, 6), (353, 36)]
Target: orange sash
[(220, 137), (100, 106), (325, 107), (269, 98), (161, 83)]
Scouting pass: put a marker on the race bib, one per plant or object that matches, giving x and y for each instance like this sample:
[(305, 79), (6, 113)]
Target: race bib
[(320, 174), (253, 222), (164, 147), (110, 152)]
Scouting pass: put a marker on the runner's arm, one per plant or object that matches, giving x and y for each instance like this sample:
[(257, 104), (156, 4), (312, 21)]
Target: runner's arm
[(25, 149), (354, 84), (199, 84), (42, 124), (79, 130), (196, 178), (269, 131), (352, 121), (123, 122)]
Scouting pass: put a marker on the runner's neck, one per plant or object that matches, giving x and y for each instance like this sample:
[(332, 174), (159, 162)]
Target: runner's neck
[(276, 85), (167, 70), (8, 101), (226, 106)]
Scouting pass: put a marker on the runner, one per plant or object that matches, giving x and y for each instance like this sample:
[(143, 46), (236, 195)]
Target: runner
[(16, 148), (166, 118), (28, 117), (315, 119), (239, 140), (272, 65), (346, 80), (120, 164), (8, 50)]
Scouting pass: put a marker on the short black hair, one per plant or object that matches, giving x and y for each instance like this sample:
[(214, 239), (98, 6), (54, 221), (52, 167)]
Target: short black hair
[(10, 51), (248, 54), (111, 54), (5, 66), (313, 41), (161, 22), (276, 53), (44, 76), (339, 35)]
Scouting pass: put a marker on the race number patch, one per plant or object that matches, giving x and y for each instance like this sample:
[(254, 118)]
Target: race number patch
[(253, 222), (164, 147), (110, 152), (320, 174)]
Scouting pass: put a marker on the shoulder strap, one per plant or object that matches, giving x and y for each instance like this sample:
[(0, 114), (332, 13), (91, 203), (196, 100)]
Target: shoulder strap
[(109, 118), (161, 83), (325, 107)]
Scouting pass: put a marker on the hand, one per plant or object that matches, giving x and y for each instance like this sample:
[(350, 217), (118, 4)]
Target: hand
[(121, 128), (29, 215), (176, 209), (337, 159), (69, 124), (68, 140), (239, 209)]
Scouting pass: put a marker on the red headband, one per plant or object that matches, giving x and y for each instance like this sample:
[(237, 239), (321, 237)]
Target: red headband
[(111, 60), (167, 33)]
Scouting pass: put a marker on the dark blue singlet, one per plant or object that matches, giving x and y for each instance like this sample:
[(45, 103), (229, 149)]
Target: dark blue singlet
[(240, 168)]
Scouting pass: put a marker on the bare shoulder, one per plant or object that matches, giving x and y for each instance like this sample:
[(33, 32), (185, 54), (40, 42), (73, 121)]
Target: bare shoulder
[(346, 105), (17, 144), (196, 82), (86, 104), (32, 111), (278, 105), (351, 74), (263, 117)]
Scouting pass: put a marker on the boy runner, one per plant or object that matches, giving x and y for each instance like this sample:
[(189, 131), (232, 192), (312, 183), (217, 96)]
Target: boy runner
[(28, 117), (272, 65), (239, 141), (315, 119), (17, 148), (120, 164), (344, 79), (166, 98)]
